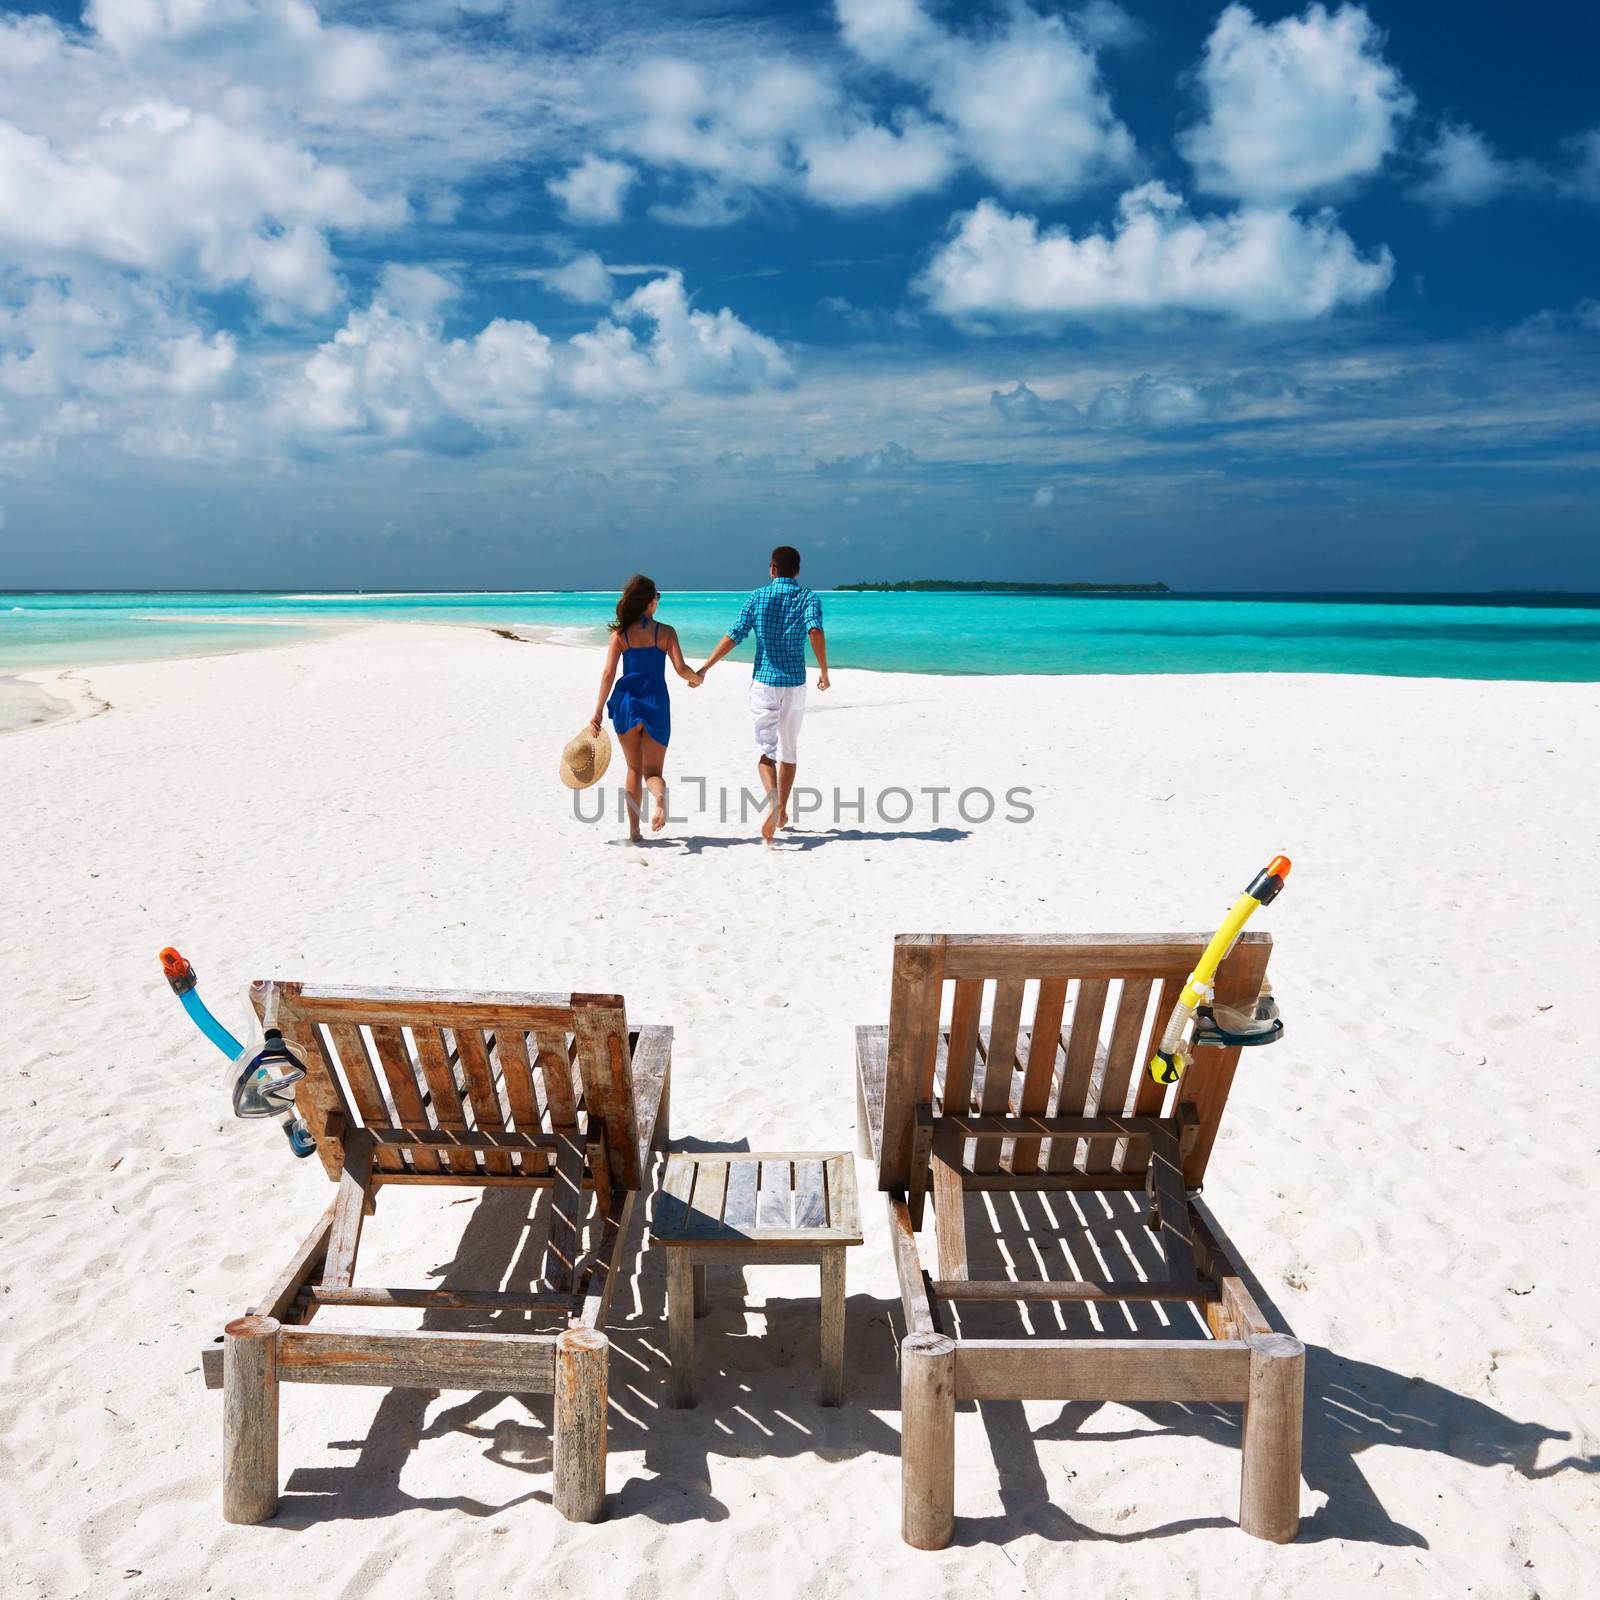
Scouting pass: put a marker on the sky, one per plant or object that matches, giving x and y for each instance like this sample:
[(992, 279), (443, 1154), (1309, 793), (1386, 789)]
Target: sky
[(527, 294)]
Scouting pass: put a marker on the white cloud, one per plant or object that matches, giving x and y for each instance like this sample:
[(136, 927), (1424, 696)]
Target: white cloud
[(98, 165), (1252, 266), (1025, 100), (709, 352), (873, 165), (584, 279), (392, 378), (594, 190), (1463, 170), (885, 460), (287, 37), (1044, 498), (1300, 107)]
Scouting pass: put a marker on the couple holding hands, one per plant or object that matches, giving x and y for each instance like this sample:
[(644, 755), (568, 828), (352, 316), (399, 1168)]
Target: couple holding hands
[(783, 616)]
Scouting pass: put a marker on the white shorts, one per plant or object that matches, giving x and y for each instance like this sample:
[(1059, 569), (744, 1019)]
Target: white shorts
[(777, 713)]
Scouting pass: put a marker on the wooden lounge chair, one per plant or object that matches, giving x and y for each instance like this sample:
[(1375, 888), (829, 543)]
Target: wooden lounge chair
[(407, 1086), (949, 1107)]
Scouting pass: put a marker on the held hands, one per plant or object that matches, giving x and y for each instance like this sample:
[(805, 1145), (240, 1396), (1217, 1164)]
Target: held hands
[(695, 679)]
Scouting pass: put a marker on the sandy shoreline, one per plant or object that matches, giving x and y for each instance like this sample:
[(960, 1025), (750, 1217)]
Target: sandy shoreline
[(1409, 1171)]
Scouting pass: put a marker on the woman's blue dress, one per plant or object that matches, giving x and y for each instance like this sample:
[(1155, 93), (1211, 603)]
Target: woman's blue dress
[(640, 694)]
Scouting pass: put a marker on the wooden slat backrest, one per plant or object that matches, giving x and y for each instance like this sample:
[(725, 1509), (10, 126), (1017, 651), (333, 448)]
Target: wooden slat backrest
[(426, 1059), (1094, 1007)]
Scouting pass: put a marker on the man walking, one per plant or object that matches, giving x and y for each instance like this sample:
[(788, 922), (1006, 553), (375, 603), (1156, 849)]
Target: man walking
[(784, 615)]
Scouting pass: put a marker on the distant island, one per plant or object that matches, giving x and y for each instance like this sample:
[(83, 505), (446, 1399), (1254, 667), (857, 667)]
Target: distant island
[(948, 586)]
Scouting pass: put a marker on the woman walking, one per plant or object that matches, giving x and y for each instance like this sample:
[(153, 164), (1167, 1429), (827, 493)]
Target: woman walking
[(640, 711)]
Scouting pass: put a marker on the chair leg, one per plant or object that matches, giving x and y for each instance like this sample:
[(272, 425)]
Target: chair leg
[(927, 1440), (700, 1306), (833, 1325), (680, 1327), (1269, 1486), (580, 1433), (250, 1419)]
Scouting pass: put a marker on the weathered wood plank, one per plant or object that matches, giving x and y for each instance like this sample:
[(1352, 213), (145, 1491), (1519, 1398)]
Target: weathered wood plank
[(983, 1127), (908, 1267), (965, 1011), (463, 1139), (395, 1060), (1121, 1054), (1102, 1369), (708, 1199), (671, 1209), (913, 1037), (362, 1077), (1039, 1076), (999, 1062), (555, 1068), (960, 1287), (1077, 1073), (600, 1029), (811, 1195), (949, 1219), (872, 1068), (522, 1096), (443, 1095), (349, 1209), (447, 1299), (740, 1211), (303, 1266), (652, 1087), (473, 1055), (1090, 955), (680, 1328), (498, 1363), (844, 1204), (775, 1196), (832, 1297), (470, 1008)]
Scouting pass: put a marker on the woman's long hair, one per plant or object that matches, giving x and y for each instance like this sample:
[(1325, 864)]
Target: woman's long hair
[(634, 603)]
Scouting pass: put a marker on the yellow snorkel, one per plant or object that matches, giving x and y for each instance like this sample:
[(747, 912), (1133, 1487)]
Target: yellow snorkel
[(1258, 1024)]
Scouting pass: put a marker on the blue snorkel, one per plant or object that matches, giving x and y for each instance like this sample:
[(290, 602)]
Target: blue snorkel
[(264, 1079)]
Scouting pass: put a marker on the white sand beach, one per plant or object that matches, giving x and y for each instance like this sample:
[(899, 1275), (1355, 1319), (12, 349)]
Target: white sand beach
[(1410, 1171)]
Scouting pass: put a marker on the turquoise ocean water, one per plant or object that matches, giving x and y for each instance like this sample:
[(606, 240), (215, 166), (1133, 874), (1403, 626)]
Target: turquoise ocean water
[(1534, 637)]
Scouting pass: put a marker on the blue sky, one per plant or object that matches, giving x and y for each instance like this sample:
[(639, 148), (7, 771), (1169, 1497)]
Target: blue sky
[(514, 293)]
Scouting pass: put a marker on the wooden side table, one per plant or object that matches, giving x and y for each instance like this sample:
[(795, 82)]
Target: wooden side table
[(731, 1208)]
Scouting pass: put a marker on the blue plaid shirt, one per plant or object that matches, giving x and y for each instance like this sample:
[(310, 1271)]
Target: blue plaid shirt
[(782, 614)]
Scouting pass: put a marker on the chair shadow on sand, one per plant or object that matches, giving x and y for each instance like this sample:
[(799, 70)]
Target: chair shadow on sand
[(745, 1410), (1350, 1405), (757, 1394)]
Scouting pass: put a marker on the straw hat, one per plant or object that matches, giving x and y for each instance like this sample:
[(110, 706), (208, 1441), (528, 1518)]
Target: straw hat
[(585, 759)]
